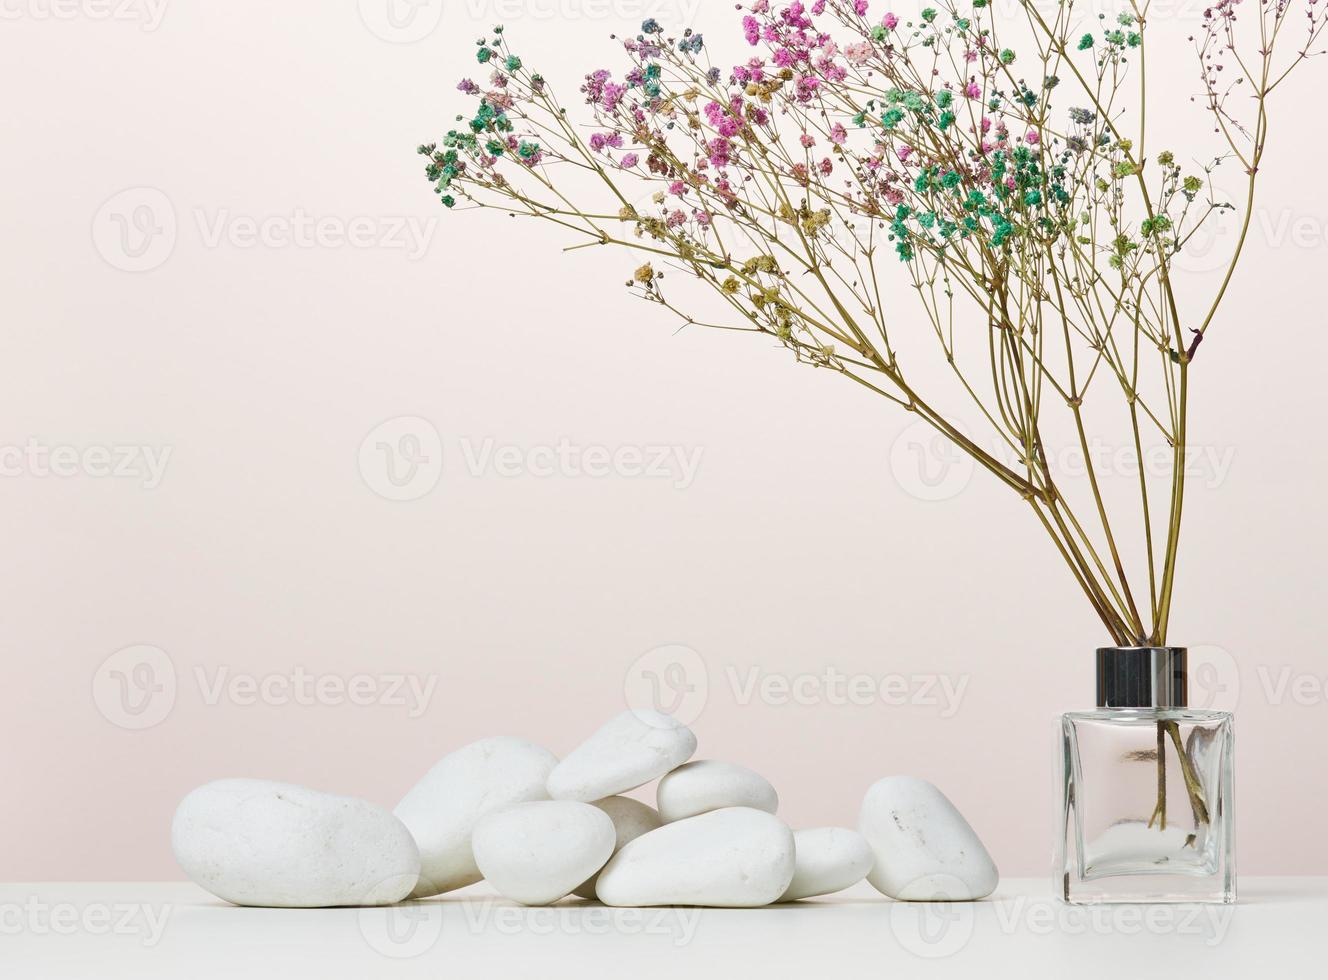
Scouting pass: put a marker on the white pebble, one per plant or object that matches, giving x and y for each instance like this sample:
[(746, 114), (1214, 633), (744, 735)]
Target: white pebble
[(536, 853), (829, 859), (734, 858), (275, 845), (629, 751), (705, 785), (631, 818), (442, 809), (925, 850)]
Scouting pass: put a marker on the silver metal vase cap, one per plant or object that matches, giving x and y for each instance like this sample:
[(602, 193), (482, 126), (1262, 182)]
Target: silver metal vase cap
[(1142, 677)]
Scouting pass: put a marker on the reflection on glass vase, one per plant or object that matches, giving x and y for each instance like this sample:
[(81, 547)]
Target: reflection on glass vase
[(1146, 787)]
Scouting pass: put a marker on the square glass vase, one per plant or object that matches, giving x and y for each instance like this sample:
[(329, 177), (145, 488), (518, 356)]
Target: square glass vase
[(1145, 808)]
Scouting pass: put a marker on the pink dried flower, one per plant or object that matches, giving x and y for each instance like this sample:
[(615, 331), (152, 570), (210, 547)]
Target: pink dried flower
[(858, 53)]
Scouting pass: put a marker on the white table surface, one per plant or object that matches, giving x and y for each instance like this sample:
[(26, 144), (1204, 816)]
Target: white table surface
[(143, 930)]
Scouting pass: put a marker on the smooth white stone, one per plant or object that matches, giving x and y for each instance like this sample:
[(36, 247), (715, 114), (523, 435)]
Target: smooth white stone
[(274, 845), (925, 849), (828, 860), (536, 853), (705, 785), (442, 809), (734, 858), (629, 751), (631, 818)]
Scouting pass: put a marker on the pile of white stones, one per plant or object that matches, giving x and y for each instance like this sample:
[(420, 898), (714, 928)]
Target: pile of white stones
[(507, 811)]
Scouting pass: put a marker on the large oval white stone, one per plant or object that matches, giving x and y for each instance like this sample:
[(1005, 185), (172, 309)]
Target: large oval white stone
[(631, 818), (734, 858), (828, 860), (441, 810), (925, 850), (705, 785), (255, 842), (536, 853), (629, 751)]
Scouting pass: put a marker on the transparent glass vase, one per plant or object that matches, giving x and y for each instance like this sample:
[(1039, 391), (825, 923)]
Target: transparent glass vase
[(1146, 787)]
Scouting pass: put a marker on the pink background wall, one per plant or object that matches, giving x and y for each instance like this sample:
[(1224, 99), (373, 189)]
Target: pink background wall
[(142, 313)]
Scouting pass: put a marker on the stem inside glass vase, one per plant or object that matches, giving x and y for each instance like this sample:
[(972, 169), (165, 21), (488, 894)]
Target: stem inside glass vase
[(1193, 787)]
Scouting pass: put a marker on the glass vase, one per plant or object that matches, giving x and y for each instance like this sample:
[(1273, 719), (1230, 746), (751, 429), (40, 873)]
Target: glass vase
[(1146, 788)]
